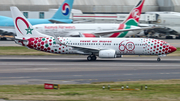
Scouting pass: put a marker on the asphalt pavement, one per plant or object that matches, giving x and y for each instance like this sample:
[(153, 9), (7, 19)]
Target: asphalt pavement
[(75, 69)]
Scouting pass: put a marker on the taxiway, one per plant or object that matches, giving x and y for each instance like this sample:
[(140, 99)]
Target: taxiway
[(75, 69)]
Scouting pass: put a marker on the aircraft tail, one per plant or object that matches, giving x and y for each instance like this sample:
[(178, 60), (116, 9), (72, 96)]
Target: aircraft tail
[(134, 15), (22, 26), (64, 10)]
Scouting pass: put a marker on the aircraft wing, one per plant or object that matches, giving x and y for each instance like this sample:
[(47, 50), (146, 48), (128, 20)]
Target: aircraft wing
[(60, 20), (85, 49), (99, 33), (79, 48)]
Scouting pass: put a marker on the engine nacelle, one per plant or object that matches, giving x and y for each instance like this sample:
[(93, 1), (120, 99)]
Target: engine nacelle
[(142, 33), (107, 54)]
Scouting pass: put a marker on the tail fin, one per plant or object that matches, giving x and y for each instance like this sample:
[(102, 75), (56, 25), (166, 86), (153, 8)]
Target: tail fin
[(64, 10), (134, 16), (22, 26)]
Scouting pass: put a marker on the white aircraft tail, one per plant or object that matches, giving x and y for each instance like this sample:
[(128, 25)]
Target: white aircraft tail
[(22, 26)]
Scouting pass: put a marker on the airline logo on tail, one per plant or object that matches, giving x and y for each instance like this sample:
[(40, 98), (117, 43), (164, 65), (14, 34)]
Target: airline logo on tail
[(65, 9), (29, 30), (136, 14)]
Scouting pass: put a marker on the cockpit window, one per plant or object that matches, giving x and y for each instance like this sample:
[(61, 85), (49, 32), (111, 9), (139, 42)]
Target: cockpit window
[(165, 44)]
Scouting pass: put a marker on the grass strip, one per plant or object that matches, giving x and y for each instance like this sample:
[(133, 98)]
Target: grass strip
[(19, 50), (160, 90)]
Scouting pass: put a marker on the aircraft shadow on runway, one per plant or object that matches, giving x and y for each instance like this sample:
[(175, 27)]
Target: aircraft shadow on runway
[(97, 61)]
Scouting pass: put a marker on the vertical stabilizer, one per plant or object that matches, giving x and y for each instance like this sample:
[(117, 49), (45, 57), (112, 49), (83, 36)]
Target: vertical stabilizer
[(22, 26), (131, 20), (134, 16), (64, 10)]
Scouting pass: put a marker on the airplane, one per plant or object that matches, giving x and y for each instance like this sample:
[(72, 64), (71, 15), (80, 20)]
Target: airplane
[(169, 23), (61, 16), (102, 47), (127, 28)]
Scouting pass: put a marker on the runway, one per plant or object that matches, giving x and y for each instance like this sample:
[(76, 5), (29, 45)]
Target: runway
[(75, 69)]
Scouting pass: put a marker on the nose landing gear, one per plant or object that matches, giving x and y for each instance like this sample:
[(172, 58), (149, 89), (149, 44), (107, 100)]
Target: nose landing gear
[(91, 58), (158, 59)]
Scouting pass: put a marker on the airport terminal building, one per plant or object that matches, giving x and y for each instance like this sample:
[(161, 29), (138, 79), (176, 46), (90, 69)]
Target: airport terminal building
[(45, 8)]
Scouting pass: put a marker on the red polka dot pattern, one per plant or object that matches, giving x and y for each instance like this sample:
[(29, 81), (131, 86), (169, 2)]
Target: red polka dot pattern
[(156, 47), (47, 45)]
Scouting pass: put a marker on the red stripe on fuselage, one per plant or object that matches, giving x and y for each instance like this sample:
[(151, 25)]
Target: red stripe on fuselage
[(88, 35)]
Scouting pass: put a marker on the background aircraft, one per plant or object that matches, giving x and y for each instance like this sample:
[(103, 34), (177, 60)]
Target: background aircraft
[(169, 23), (61, 16), (127, 28), (102, 47)]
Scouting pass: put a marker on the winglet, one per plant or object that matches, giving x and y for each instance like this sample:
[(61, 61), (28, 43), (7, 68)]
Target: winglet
[(81, 35), (23, 28), (56, 39)]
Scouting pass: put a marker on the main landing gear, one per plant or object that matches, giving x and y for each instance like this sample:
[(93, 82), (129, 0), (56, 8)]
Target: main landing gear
[(158, 59), (91, 58)]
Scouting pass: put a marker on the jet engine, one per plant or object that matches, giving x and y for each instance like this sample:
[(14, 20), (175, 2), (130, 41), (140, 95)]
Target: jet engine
[(107, 54), (143, 32)]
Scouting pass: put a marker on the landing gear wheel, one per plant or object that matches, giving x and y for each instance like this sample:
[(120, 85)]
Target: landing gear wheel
[(158, 59), (94, 58), (89, 58)]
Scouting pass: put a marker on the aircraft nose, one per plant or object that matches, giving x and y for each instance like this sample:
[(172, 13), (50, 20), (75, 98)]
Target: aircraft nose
[(172, 49)]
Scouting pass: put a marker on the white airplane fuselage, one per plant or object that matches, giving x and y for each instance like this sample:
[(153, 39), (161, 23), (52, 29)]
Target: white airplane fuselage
[(68, 30), (102, 47)]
